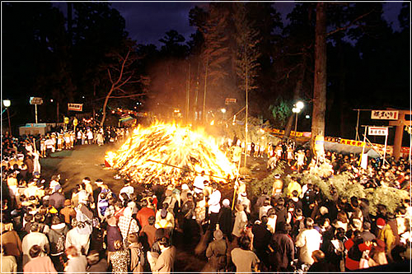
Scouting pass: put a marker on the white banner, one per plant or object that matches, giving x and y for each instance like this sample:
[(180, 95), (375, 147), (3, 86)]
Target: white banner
[(75, 107), (378, 131), (385, 114)]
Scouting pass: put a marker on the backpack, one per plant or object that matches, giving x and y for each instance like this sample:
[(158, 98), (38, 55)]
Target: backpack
[(60, 244)]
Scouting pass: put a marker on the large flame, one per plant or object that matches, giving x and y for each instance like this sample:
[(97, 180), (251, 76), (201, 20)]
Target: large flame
[(167, 153)]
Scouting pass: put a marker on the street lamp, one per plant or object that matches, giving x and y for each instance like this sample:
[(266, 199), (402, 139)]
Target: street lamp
[(297, 108), (7, 104)]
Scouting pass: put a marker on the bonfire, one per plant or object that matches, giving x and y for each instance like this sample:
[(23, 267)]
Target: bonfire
[(166, 153)]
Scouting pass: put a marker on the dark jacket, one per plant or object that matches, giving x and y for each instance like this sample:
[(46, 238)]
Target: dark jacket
[(113, 234), (284, 250), (225, 220), (57, 200), (54, 234)]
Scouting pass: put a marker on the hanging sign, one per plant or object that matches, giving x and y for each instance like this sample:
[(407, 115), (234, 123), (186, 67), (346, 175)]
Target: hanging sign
[(230, 100), (378, 131), (385, 114), (75, 107)]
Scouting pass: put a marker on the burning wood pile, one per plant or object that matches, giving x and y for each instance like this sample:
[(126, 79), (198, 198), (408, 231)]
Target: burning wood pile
[(165, 153)]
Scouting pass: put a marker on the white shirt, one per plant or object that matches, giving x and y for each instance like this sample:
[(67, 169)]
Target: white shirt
[(198, 184), (34, 238), (214, 201)]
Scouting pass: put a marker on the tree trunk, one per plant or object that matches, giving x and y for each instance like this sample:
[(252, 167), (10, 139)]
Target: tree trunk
[(319, 89), (105, 105)]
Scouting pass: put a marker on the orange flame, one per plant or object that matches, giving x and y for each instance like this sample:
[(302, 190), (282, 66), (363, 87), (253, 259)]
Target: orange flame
[(167, 152)]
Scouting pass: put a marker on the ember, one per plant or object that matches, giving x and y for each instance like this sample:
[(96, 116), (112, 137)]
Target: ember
[(169, 152)]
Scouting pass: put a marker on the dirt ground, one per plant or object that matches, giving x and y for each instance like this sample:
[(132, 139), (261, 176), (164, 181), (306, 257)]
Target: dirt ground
[(83, 161)]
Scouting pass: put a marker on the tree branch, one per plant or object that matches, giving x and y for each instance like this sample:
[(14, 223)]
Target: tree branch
[(350, 24)]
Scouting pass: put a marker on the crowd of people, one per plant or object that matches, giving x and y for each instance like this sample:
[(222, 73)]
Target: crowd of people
[(139, 229)]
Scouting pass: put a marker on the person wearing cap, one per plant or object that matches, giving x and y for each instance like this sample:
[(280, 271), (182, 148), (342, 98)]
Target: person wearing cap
[(185, 191), (216, 251), (225, 219), (385, 234), (240, 222), (127, 188)]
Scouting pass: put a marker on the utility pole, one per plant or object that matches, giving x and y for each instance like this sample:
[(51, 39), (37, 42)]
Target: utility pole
[(204, 93), (246, 112), (188, 98)]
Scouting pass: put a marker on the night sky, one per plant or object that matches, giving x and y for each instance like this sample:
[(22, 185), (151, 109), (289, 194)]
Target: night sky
[(147, 22)]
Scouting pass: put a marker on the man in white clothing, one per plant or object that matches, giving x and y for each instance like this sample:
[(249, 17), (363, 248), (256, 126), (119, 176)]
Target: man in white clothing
[(199, 183), (214, 205), (308, 240), (34, 238)]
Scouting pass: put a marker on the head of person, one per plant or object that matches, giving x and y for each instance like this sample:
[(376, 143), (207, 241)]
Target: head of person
[(318, 256), (93, 257), (72, 252), (380, 223), (244, 243), (152, 220), (309, 223), (164, 243), (35, 251), (118, 245), (133, 238)]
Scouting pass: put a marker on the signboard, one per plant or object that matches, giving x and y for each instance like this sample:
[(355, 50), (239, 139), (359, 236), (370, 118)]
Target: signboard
[(378, 131), (352, 142), (75, 121), (385, 114), (35, 101), (75, 107), (230, 100)]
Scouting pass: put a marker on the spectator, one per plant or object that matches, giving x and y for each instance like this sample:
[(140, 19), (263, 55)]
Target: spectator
[(308, 241), (165, 262), (77, 263), (216, 252), (95, 264), (243, 258), (34, 238), (8, 262), (283, 249), (38, 263), (137, 258), (120, 258)]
